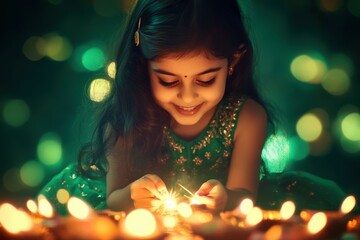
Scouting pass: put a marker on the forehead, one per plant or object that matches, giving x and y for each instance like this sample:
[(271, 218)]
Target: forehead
[(193, 61)]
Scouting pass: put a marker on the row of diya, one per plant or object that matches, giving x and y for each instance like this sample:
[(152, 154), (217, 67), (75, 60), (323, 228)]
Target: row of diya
[(177, 220)]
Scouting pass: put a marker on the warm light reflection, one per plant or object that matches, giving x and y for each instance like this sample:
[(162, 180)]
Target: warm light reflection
[(254, 217), (348, 204), (184, 210), (309, 127), (140, 223), (308, 69), (99, 89), (111, 70), (45, 208), (62, 195), (78, 208), (287, 210), (13, 220), (169, 221), (274, 233), (32, 206), (245, 206), (317, 222)]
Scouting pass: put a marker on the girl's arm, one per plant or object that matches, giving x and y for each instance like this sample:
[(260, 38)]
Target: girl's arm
[(250, 135)]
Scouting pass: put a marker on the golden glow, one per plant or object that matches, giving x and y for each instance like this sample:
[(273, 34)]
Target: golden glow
[(169, 221), (170, 203), (350, 126), (309, 127), (245, 206), (184, 210), (32, 206), (254, 217), (273, 233), (307, 69), (348, 204), (336, 82), (330, 5), (31, 46), (317, 222), (99, 89), (287, 210), (78, 208), (62, 195), (13, 220), (57, 47), (111, 70), (45, 208), (104, 227), (140, 223)]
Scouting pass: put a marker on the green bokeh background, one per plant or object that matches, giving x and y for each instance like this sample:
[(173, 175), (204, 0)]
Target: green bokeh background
[(50, 95)]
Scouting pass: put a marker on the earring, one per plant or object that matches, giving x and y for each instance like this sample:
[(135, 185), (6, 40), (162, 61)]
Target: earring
[(231, 70), (137, 34)]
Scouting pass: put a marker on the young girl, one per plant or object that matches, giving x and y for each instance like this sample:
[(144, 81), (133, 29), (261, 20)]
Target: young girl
[(184, 110)]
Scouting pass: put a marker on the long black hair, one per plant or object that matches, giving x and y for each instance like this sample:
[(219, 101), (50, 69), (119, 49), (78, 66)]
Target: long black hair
[(130, 117)]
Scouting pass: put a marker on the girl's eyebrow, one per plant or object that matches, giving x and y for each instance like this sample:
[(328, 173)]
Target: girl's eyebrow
[(210, 70)]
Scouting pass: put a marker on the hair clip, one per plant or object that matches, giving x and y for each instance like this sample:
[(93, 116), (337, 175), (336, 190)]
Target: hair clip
[(137, 34)]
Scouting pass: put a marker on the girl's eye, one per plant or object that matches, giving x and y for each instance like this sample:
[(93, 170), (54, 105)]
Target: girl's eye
[(207, 82), (168, 84)]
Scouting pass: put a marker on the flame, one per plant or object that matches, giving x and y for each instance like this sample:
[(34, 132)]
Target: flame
[(348, 204), (32, 206), (13, 220), (317, 222), (245, 206), (254, 217), (184, 210), (45, 208), (78, 208), (287, 210), (140, 223)]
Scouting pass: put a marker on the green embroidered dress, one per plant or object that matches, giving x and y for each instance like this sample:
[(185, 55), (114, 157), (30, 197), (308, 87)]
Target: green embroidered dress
[(208, 156)]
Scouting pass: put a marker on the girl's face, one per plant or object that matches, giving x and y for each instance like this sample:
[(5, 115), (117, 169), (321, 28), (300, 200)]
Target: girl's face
[(190, 87)]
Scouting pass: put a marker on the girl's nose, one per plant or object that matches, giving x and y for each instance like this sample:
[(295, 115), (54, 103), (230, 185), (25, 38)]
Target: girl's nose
[(187, 94)]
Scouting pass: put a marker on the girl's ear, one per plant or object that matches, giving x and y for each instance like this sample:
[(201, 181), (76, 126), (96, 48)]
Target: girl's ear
[(236, 57)]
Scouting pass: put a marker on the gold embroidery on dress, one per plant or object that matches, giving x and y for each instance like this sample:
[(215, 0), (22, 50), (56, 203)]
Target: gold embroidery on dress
[(197, 160), (172, 143), (207, 155)]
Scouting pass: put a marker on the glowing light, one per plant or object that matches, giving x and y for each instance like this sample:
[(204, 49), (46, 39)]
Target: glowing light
[(93, 59), (13, 220), (254, 217), (349, 146), (16, 113), (45, 208), (140, 223), (169, 221), (49, 149), (299, 149), (30, 48), (57, 48), (336, 82), (354, 7), (12, 181), (350, 126), (32, 173), (184, 210), (99, 89), (307, 69), (348, 204), (287, 210), (170, 203), (274, 233), (342, 61), (317, 222), (32, 206), (78, 208), (322, 145), (309, 127), (276, 152), (245, 206), (62, 195), (111, 70)]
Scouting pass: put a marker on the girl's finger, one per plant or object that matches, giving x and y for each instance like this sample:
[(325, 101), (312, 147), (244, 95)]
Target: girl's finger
[(206, 187), (155, 185)]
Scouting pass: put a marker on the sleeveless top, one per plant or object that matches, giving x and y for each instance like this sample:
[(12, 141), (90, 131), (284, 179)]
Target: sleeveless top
[(192, 163)]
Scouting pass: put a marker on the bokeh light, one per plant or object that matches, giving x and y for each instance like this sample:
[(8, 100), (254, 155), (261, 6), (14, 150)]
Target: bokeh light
[(299, 149), (111, 70), (309, 127), (308, 69), (57, 48), (276, 152), (330, 5), (350, 126), (30, 48), (99, 89), (93, 59), (62, 195), (12, 181), (32, 173), (49, 149), (16, 112), (336, 82)]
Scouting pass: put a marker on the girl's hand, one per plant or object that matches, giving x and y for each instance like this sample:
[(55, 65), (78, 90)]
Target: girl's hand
[(213, 194), (147, 192)]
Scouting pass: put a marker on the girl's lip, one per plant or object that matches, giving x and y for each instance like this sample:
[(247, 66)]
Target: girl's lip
[(188, 110)]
